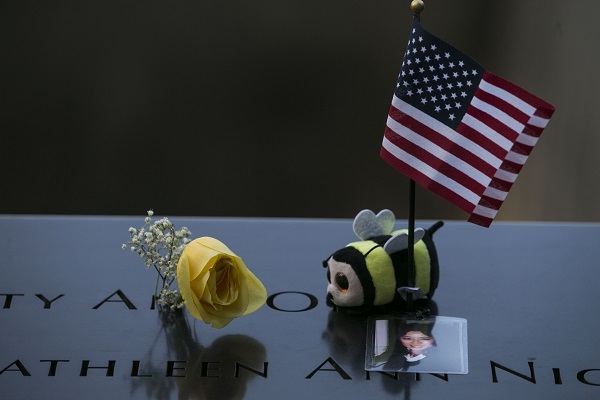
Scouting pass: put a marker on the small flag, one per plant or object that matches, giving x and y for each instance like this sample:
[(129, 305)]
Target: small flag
[(458, 130)]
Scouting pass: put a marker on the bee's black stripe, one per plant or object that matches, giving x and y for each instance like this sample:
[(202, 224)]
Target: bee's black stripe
[(400, 262), (434, 268), (356, 260)]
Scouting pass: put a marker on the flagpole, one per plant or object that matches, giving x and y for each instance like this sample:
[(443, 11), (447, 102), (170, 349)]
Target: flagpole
[(416, 6), (411, 246)]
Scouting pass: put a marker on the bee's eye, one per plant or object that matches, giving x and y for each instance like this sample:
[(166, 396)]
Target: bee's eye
[(342, 281)]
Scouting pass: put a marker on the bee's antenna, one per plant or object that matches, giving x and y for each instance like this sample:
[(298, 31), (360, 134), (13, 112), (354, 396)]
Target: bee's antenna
[(433, 228)]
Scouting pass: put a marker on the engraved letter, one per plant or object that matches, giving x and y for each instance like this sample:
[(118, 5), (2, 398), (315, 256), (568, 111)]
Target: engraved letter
[(48, 303), (135, 370), (336, 368), (171, 369), (257, 372), (20, 367), (527, 378), (312, 299), (9, 297), (581, 377), (85, 366), (53, 364), (124, 299)]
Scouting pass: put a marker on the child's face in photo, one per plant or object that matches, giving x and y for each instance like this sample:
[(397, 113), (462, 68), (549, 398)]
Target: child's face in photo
[(416, 341)]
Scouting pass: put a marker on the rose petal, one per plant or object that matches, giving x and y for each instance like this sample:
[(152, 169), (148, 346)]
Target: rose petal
[(220, 322), (203, 257), (226, 281), (213, 308), (215, 284), (191, 301), (215, 245), (256, 291)]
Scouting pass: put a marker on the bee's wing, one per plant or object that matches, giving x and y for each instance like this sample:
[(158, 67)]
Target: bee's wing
[(400, 241), (367, 225)]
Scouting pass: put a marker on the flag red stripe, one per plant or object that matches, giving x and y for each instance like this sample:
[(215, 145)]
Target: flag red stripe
[(489, 202), (499, 103), (522, 149), (434, 162), (480, 220), (444, 142), (511, 166), (481, 140), (500, 184), (543, 107), (493, 123), (399, 116), (426, 182), (534, 131), (544, 111)]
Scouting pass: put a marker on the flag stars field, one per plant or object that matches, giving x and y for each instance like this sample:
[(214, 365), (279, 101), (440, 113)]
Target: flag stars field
[(451, 78)]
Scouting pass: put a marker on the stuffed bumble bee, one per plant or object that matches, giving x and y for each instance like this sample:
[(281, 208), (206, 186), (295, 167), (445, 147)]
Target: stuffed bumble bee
[(374, 271)]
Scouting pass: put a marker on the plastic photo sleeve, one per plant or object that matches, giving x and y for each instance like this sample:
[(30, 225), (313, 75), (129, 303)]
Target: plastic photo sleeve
[(406, 344)]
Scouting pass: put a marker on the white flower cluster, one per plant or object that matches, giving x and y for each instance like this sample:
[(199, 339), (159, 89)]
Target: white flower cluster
[(160, 246)]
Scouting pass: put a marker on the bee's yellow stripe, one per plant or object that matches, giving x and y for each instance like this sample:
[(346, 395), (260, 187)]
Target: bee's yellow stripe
[(422, 264), (379, 265)]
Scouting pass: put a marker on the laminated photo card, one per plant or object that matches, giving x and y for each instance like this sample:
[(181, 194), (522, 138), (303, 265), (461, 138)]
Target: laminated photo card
[(431, 344)]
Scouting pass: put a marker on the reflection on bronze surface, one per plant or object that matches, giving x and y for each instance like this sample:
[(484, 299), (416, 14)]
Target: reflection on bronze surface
[(346, 336), (195, 371)]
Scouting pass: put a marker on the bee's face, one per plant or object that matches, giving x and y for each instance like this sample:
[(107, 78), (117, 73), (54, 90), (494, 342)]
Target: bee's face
[(344, 289)]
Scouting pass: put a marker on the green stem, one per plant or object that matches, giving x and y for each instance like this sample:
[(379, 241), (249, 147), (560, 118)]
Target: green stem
[(171, 245), (157, 271), (156, 286)]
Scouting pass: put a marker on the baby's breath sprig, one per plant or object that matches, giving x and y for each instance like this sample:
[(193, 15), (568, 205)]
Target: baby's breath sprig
[(160, 246)]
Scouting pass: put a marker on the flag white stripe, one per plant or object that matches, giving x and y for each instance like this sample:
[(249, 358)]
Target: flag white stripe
[(506, 176), (485, 211), (422, 117), (430, 172), (538, 121), (527, 140), (495, 193), (448, 132), (486, 131), (516, 158), (498, 114), (438, 152), (508, 97)]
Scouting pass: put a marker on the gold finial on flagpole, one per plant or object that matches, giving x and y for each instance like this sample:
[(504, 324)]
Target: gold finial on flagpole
[(417, 6)]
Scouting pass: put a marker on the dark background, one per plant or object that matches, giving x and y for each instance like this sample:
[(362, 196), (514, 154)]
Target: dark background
[(271, 108)]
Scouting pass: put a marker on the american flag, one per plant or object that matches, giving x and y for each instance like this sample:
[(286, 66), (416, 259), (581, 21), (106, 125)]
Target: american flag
[(458, 130)]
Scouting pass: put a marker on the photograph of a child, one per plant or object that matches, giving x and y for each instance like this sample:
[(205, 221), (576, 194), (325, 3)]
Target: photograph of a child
[(432, 344)]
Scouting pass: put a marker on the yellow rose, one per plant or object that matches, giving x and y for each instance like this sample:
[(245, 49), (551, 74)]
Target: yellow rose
[(215, 284)]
